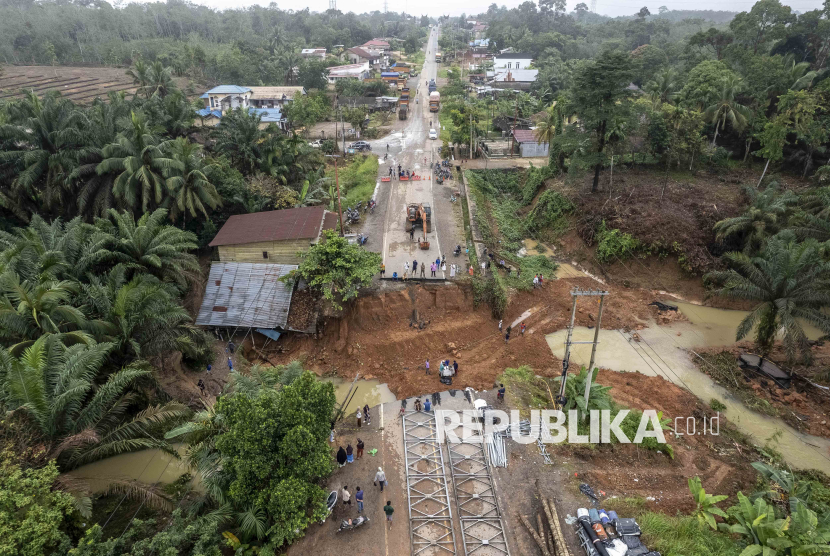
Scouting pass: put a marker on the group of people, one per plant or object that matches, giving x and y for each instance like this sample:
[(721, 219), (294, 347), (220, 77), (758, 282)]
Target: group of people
[(433, 268), (364, 414), (359, 496), (402, 173), (522, 329), (347, 455), (427, 405), (538, 280)]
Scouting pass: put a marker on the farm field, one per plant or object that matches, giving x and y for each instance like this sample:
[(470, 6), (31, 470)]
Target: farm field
[(80, 85)]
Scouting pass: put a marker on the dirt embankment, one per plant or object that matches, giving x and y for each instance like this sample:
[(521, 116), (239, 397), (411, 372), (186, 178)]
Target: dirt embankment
[(377, 338)]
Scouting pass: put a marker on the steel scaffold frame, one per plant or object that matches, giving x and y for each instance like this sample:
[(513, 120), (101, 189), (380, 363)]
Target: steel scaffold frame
[(431, 531), (482, 529)]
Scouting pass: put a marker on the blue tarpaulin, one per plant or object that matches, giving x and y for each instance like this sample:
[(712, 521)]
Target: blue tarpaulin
[(273, 334)]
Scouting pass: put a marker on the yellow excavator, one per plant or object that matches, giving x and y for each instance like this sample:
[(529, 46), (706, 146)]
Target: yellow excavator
[(420, 215)]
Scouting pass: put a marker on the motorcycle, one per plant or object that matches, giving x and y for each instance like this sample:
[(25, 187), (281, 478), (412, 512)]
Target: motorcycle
[(349, 524), (457, 250), (362, 239), (453, 198)]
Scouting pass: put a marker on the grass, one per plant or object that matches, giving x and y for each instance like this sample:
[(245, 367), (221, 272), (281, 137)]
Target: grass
[(447, 126), (358, 180), (683, 535)]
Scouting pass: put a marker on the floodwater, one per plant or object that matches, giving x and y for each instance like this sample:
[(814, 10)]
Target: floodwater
[(155, 466), (668, 351), (369, 392), (147, 466)]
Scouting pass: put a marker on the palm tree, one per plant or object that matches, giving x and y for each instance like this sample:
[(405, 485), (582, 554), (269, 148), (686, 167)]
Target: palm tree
[(663, 88), (46, 134), (29, 311), (44, 250), (727, 109), (180, 114), (141, 317), (54, 389), (289, 59), (549, 127), (766, 215), (191, 187), (148, 245), (790, 282), (139, 161), (140, 75), (94, 190), (160, 82), (239, 137)]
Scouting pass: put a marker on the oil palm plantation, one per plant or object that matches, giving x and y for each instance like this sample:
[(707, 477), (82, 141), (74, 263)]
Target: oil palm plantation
[(727, 109), (790, 282), (139, 161), (140, 74), (141, 318), (160, 80), (57, 392), (44, 250), (190, 188), (239, 137), (766, 216), (32, 309), (43, 135), (148, 245)]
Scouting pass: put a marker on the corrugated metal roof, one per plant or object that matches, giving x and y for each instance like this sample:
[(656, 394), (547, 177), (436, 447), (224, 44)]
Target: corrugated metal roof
[(272, 225), (248, 295), (525, 136), (228, 90), (205, 112), (276, 92)]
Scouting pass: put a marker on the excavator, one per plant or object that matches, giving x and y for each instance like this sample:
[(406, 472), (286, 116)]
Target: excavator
[(419, 215)]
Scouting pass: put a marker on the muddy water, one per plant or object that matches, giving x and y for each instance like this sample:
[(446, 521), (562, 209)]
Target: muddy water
[(148, 466), (151, 466), (716, 327), (369, 392), (667, 351)]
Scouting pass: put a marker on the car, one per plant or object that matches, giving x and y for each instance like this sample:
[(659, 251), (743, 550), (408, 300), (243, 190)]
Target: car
[(433, 134), (361, 146), (316, 144)]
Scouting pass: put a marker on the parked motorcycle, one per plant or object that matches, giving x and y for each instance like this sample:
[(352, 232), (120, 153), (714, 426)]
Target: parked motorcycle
[(457, 250), (349, 524), (362, 239)]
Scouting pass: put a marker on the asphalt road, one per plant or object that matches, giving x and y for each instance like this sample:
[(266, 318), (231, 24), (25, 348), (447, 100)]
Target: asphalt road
[(412, 149)]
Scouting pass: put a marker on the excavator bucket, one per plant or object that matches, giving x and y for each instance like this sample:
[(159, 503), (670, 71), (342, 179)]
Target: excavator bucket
[(424, 244)]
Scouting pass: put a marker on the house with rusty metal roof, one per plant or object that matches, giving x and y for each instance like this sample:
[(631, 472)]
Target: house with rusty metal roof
[(274, 236)]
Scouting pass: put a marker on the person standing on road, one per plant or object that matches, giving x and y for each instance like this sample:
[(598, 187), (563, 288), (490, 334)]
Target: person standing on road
[(406, 266), (423, 271), (367, 415), (360, 446), (349, 453), (414, 267), (387, 147), (359, 417), (341, 456), (432, 269), (347, 496), (359, 497), (389, 510), (382, 270), (380, 479), (412, 233), (427, 405), (523, 329)]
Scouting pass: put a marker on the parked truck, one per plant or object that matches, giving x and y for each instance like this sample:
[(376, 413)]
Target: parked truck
[(402, 111), (434, 101), (432, 86), (438, 57)]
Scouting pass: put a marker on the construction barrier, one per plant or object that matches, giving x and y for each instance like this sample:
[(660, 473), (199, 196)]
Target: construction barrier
[(404, 178), (385, 179), (416, 178)]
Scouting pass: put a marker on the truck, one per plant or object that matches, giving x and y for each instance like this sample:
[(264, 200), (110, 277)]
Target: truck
[(434, 101), (404, 98), (402, 110), (432, 86), (438, 57)]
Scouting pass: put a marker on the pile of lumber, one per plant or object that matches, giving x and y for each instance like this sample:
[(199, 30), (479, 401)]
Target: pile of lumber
[(550, 541)]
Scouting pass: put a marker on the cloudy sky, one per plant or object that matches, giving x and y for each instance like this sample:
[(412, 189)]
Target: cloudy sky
[(457, 7)]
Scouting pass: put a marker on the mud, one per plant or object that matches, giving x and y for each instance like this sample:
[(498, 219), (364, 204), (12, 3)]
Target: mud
[(376, 336)]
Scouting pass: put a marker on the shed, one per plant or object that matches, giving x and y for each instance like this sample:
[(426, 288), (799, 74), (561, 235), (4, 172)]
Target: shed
[(246, 295), (529, 146), (275, 236)]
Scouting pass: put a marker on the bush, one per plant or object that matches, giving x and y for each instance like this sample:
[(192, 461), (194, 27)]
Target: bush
[(612, 244), (530, 267), (683, 535), (358, 180), (550, 211), (534, 179)]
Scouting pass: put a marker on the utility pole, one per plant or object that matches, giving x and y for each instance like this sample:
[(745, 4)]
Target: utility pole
[(471, 133), (337, 185), (576, 293), (513, 130)]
